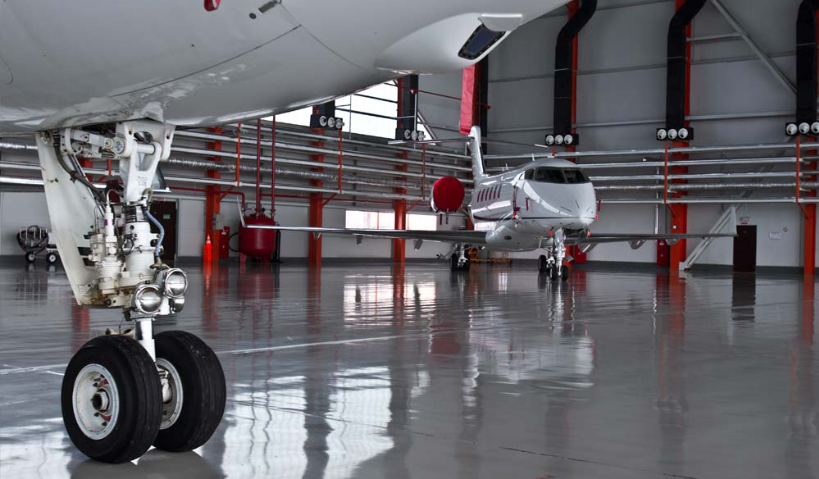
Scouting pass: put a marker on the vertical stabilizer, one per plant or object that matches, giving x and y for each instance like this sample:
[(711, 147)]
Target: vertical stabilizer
[(477, 157)]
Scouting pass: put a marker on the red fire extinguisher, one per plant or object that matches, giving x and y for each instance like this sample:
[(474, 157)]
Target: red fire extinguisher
[(224, 250)]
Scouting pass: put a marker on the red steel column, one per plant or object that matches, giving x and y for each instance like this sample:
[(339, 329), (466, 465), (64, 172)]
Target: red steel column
[(679, 212), (213, 195), (316, 208), (809, 210)]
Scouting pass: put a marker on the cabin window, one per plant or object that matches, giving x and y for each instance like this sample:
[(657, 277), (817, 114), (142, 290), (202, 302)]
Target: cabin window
[(561, 175), (529, 175), (575, 176), (549, 175)]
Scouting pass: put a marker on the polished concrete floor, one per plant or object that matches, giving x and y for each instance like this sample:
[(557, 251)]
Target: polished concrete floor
[(379, 372)]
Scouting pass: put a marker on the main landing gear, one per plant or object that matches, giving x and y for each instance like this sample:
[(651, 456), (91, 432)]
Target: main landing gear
[(552, 265), (127, 391)]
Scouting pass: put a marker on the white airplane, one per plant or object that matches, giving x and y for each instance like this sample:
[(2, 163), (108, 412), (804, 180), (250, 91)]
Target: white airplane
[(102, 79), (546, 204)]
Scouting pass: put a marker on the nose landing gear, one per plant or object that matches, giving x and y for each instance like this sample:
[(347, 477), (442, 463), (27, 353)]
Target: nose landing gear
[(552, 264), (459, 261), (121, 394)]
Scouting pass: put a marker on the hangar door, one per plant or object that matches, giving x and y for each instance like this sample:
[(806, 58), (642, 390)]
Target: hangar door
[(745, 249), (166, 213)]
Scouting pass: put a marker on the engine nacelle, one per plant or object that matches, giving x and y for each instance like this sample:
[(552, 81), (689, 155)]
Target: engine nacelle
[(447, 195)]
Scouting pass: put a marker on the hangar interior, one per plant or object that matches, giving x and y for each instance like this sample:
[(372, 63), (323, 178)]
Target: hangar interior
[(347, 356)]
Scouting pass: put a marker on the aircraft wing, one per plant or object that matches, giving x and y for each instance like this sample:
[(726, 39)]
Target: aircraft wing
[(467, 237), (637, 240), (616, 237)]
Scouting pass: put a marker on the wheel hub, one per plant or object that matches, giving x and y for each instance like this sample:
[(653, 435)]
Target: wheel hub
[(172, 394), (100, 401), (95, 401)]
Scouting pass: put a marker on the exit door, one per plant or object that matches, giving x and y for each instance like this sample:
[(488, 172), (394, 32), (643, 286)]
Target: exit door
[(745, 249), (166, 213)]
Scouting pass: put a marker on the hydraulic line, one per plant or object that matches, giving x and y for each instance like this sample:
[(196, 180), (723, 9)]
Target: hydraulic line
[(161, 232)]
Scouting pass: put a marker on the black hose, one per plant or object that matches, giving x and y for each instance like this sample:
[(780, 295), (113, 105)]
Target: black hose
[(230, 238), (32, 247), (78, 176)]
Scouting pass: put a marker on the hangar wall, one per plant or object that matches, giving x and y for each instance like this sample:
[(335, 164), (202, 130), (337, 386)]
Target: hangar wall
[(621, 79), (21, 209)]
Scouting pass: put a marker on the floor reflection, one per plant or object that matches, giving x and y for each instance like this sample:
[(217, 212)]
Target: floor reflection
[(415, 372)]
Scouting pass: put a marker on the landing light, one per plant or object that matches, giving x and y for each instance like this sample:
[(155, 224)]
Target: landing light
[(550, 140), (176, 283), (662, 134), (672, 135), (791, 129), (559, 140), (331, 122), (683, 134), (147, 299), (814, 128), (568, 139)]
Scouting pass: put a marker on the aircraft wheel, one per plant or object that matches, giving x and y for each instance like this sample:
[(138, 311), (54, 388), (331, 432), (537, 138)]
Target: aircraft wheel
[(193, 391), (51, 258), (553, 273), (543, 264), (454, 262), (111, 399), (30, 257), (564, 273)]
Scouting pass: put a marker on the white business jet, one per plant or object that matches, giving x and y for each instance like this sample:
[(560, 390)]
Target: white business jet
[(111, 80), (547, 204)]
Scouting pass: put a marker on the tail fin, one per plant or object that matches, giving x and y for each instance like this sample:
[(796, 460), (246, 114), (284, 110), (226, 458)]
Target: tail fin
[(477, 157)]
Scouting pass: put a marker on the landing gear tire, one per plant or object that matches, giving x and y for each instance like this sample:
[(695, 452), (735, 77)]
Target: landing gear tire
[(456, 266), (30, 257), (553, 273), (193, 399), (51, 258), (564, 274), (543, 264), (111, 399)]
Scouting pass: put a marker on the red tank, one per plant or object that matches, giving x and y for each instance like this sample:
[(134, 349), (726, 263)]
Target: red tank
[(258, 243)]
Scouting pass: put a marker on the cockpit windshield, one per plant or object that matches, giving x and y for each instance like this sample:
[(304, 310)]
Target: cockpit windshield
[(570, 176)]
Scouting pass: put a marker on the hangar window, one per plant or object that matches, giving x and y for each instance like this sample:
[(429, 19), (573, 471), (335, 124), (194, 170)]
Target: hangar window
[(479, 42), (422, 222), (369, 112), (385, 220)]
